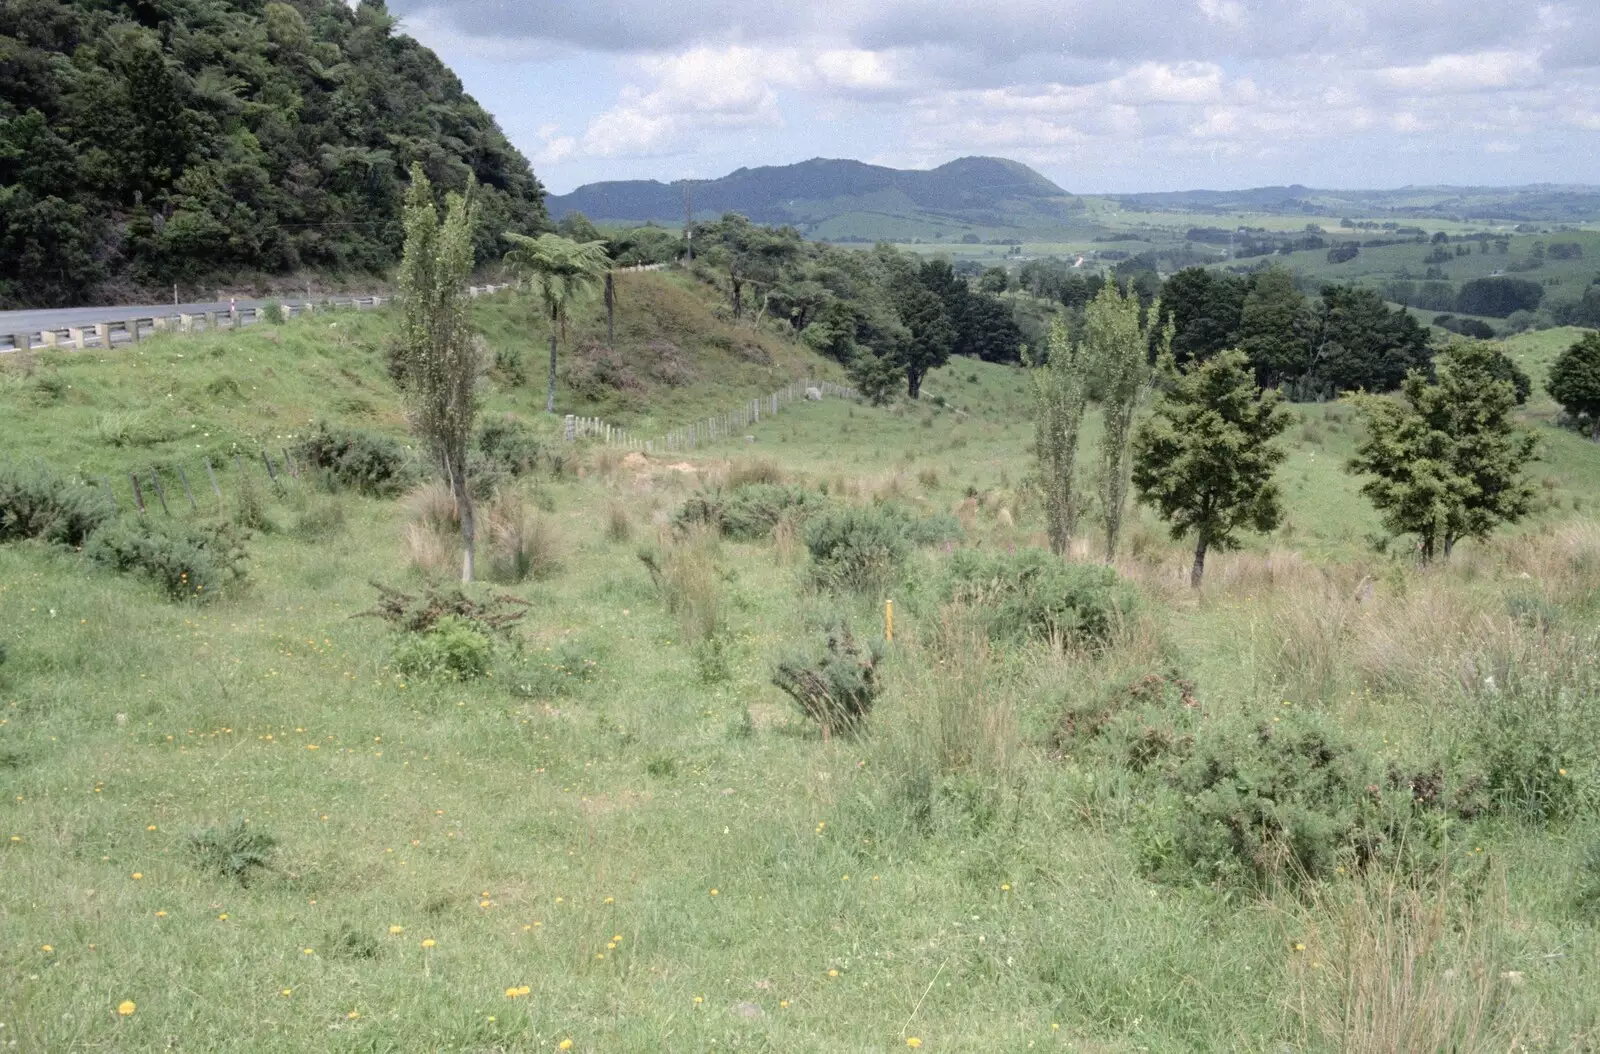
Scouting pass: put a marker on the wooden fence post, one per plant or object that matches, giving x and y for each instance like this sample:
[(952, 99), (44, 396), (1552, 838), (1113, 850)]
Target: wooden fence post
[(138, 496)]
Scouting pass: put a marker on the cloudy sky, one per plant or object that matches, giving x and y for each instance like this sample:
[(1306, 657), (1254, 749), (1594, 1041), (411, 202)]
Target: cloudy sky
[(1100, 95)]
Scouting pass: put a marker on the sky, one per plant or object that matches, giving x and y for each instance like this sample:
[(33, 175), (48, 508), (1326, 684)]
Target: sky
[(1099, 95)]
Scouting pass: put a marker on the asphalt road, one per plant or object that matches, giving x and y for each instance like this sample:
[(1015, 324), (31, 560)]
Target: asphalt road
[(34, 320)]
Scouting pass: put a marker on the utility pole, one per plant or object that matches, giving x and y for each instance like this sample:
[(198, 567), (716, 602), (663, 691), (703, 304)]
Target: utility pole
[(688, 221)]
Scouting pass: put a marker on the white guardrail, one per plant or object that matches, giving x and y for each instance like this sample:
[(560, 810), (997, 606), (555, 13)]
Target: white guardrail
[(132, 329)]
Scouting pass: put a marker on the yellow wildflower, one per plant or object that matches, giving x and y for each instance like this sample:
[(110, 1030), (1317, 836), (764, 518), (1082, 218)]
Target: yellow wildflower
[(126, 1007)]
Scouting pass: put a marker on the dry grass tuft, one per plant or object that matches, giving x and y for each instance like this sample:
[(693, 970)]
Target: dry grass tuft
[(1385, 966), (960, 710), (619, 526), (519, 541), (684, 570), (755, 470)]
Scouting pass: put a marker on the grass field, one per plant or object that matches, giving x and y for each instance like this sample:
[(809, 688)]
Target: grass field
[(625, 838)]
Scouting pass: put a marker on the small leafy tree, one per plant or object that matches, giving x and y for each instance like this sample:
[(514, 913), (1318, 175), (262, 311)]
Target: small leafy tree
[(1575, 383), (1204, 462), (1117, 347), (437, 352), (1445, 460), (562, 272), (1060, 390)]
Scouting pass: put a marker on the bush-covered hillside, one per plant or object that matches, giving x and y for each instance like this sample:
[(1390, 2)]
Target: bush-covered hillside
[(194, 141)]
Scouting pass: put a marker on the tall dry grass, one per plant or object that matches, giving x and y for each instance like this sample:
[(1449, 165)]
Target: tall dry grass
[(1381, 965), (519, 541), (431, 538), (683, 567), (958, 709)]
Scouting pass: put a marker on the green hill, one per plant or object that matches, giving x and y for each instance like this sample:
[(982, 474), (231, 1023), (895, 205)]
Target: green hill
[(846, 200), (202, 141)]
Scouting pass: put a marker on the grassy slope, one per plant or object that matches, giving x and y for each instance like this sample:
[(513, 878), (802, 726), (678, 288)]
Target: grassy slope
[(522, 835), (178, 399)]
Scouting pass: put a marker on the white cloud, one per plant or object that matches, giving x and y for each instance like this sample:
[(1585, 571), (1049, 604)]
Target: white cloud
[(1136, 86)]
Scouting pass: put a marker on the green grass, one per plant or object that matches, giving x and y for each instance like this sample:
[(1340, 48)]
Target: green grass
[(523, 835)]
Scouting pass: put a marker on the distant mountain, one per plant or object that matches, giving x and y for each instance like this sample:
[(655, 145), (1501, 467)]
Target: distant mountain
[(842, 199)]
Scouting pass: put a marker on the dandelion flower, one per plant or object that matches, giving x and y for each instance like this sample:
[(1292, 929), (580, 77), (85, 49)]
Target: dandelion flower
[(428, 943), (126, 1007), (611, 946), (565, 1044), (138, 875), (613, 900), (161, 914), (833, 973), (913, 1042), (151, 827), (46, 948), (288, 992), (699, 999), (1005, 887), (352, 1015), (783, 1004), (617, 937), (307, 951), (713, 892), (397, 929), (1299, 947), (223, 917)]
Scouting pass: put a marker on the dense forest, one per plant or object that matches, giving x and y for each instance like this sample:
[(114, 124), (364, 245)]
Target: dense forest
[(151, 142)]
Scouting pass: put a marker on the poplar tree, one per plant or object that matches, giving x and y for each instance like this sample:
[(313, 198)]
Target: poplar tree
[(437, 350), (1118, 349), (1204, 461), (1060, 391)]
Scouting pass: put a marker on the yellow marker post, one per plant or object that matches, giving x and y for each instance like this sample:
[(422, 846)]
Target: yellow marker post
[(888, 620)]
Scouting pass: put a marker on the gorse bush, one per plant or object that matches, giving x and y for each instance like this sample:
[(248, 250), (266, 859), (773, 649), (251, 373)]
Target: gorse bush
[(39, 503), (236, 850), (496, 614), (507, 447), (452, 649), (1034, 595), (1138, 721), (835, 682), (186, 562), (1280, 800), (350, 457), (750, 512), (857, 548)]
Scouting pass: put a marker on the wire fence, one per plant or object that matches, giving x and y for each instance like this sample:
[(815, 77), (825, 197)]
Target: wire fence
[(721, 428)]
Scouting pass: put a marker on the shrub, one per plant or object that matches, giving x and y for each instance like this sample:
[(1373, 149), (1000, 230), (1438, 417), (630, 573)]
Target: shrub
[(509, 365), (237, 850), (39, 503), (1033, 594), (497, 613), (350, 457), (249, 508), (834, 683), (272, 313), (1282, 800), (186, 562), (507, 446), (750, 512), (452, 649), (859, 549), (1136, 720)]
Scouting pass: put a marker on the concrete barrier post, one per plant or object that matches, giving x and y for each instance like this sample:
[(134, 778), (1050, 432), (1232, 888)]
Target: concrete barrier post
[(211, 321), (74, 336), (132, 326), (572, 428), (102, 334), (22, 341)]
